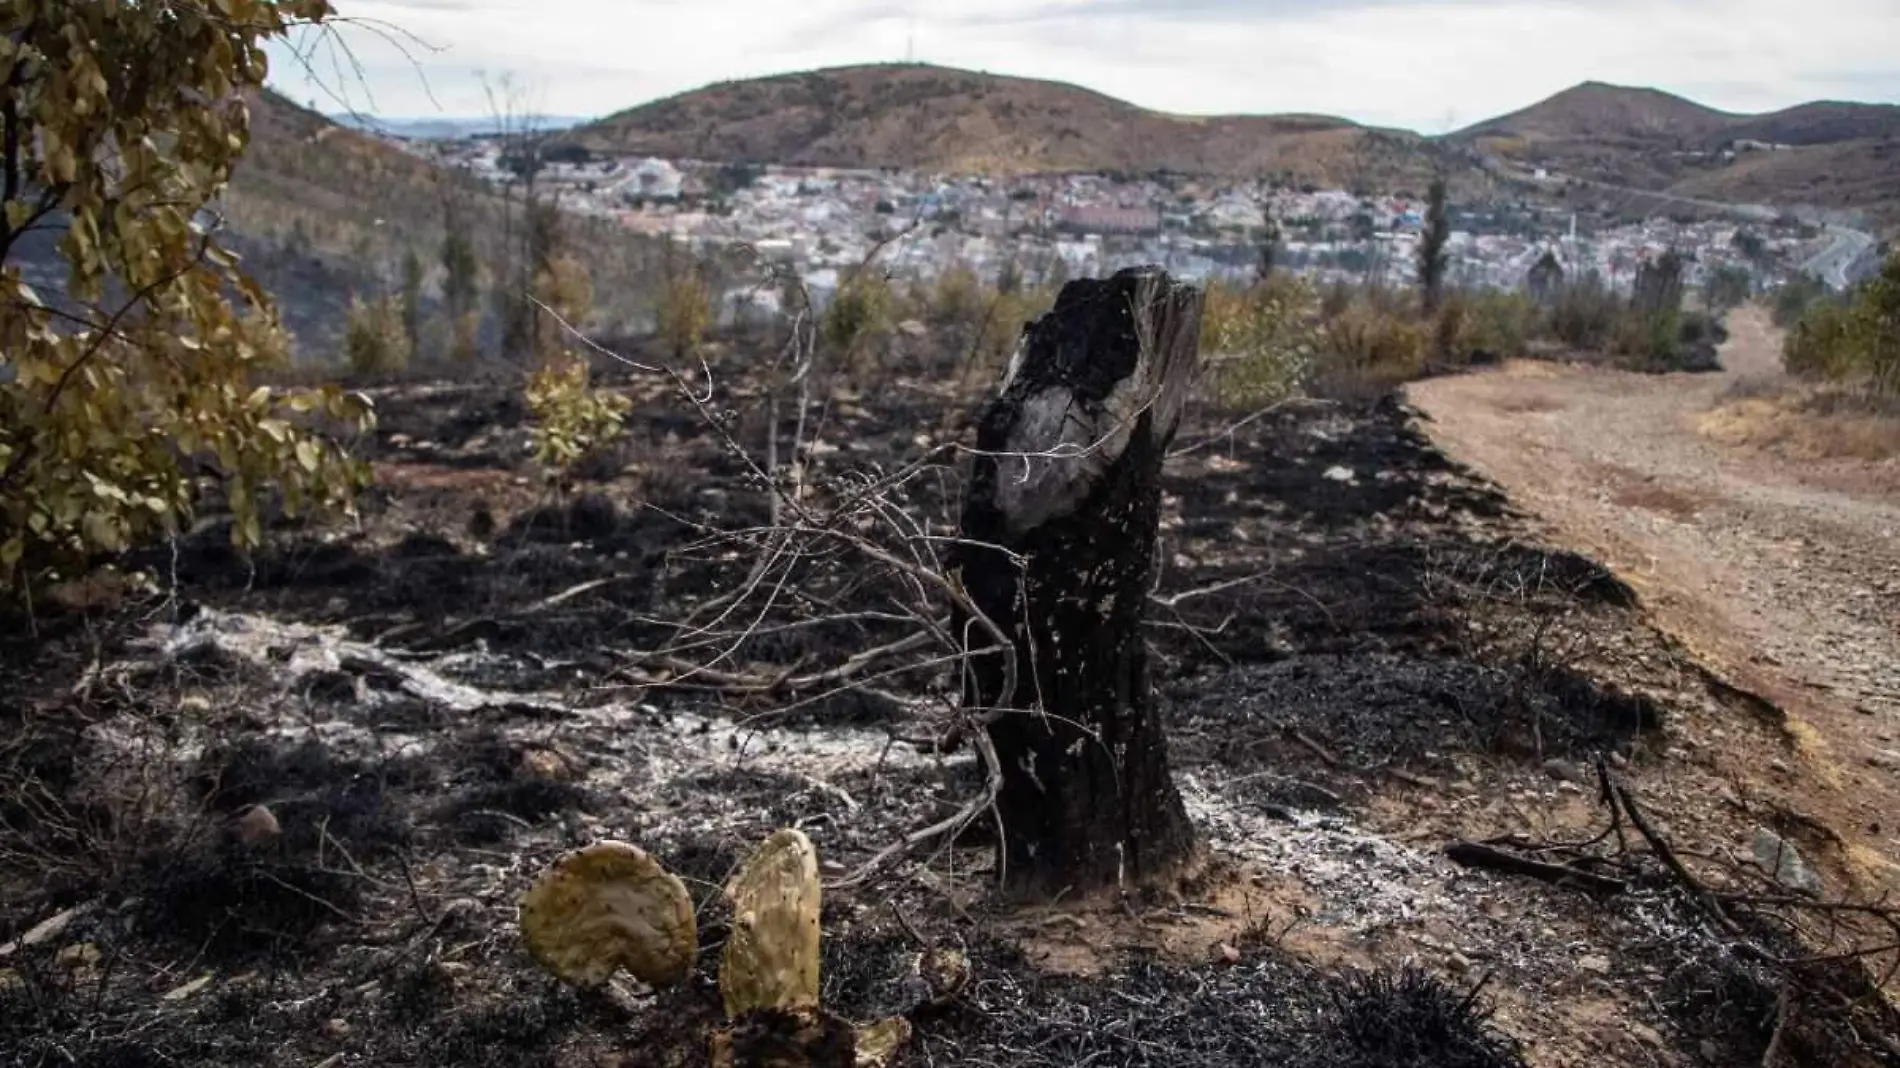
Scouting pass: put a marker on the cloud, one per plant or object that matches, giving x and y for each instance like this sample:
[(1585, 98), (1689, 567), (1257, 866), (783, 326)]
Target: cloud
[(1423, 64)]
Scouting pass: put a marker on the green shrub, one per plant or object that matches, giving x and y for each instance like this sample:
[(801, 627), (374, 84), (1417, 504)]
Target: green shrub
[(572, 420), (1584, 313), (1793, 298), (1261, 340), (1484, 325), (859, 315), (1855, 339)]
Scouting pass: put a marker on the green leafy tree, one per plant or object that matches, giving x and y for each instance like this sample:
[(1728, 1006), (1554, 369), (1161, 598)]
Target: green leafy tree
[(1432, 256), (122, 122)]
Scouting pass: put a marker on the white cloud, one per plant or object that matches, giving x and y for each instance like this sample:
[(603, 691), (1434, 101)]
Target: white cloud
[(1415, 63)]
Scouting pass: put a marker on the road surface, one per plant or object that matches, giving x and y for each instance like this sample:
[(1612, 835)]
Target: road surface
[(1784, 576)]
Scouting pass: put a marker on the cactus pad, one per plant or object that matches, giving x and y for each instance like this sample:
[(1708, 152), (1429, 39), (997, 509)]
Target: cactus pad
[(606, 907), (771, 958)]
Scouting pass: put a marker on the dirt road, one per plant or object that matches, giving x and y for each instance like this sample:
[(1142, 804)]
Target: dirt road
[(1784, 576)]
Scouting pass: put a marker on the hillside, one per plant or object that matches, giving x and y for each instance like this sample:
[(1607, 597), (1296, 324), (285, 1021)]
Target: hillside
[(933, 118), (1834, 155), (321, 212)]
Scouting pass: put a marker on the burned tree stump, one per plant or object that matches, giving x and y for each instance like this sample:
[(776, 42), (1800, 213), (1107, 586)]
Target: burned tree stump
[(1059, 527)]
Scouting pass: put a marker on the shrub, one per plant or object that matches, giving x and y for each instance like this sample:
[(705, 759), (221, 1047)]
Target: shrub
[(685, 309), (1584, 313), (1364, 348), (376, 340), (571, 419), (1726, 288), (956, 298), (1793, 298), (1261, 340), (1856, 339), (1498, 324), (110, 409), (859, 315), (561, 286)]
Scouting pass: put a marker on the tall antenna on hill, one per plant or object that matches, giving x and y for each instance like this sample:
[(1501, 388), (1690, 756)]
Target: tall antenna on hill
[(910, 42)]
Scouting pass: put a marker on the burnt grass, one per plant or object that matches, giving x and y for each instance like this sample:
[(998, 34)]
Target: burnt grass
[(1393, 616)]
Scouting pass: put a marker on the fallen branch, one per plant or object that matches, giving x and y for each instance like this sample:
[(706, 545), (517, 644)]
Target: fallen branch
[(1491, 858)]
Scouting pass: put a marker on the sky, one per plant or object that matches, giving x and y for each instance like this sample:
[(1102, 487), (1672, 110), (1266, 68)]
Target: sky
[(1427, 65)]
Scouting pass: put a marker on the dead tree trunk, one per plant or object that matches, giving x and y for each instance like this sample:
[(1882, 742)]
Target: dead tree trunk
[(1059, 531)]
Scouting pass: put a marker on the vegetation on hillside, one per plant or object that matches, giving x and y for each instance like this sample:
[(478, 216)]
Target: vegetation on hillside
[(1853, 339), (127, 391)]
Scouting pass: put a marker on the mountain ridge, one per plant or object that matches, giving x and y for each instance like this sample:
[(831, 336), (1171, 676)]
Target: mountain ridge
[(944, 119)]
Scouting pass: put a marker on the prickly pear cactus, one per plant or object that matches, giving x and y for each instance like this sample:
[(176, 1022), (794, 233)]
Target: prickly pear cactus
[(771, 958), (607, 907)]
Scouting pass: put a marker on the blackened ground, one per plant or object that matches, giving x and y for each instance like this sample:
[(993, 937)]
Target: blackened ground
[(1395, 616)]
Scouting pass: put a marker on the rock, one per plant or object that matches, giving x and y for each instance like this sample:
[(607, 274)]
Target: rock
[(1648, 1036), (1227, 953), (547, 764), (336, 1027), (180, 993), (1563, 771), (945, 972), (78, 955), (1779, 858), (1340, 474), (1458, 963), (47, 930), (1596, 965), (258, 826)]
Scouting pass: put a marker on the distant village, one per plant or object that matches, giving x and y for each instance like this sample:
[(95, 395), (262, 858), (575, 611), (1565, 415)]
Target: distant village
[(823, 221)]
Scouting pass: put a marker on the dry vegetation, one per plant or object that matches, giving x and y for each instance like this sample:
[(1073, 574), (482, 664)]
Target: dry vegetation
[(1813, 422)]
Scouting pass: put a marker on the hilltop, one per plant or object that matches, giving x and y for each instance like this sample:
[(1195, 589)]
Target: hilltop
[(921, 117), (1828, 154)]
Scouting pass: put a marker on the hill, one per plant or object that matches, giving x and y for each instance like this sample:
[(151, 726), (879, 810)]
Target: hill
[(1607, 114), (930, 118), (321, 212), (1828, 154)]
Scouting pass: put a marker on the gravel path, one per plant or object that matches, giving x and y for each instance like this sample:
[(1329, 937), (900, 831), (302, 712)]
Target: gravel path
[(1784, 575)]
